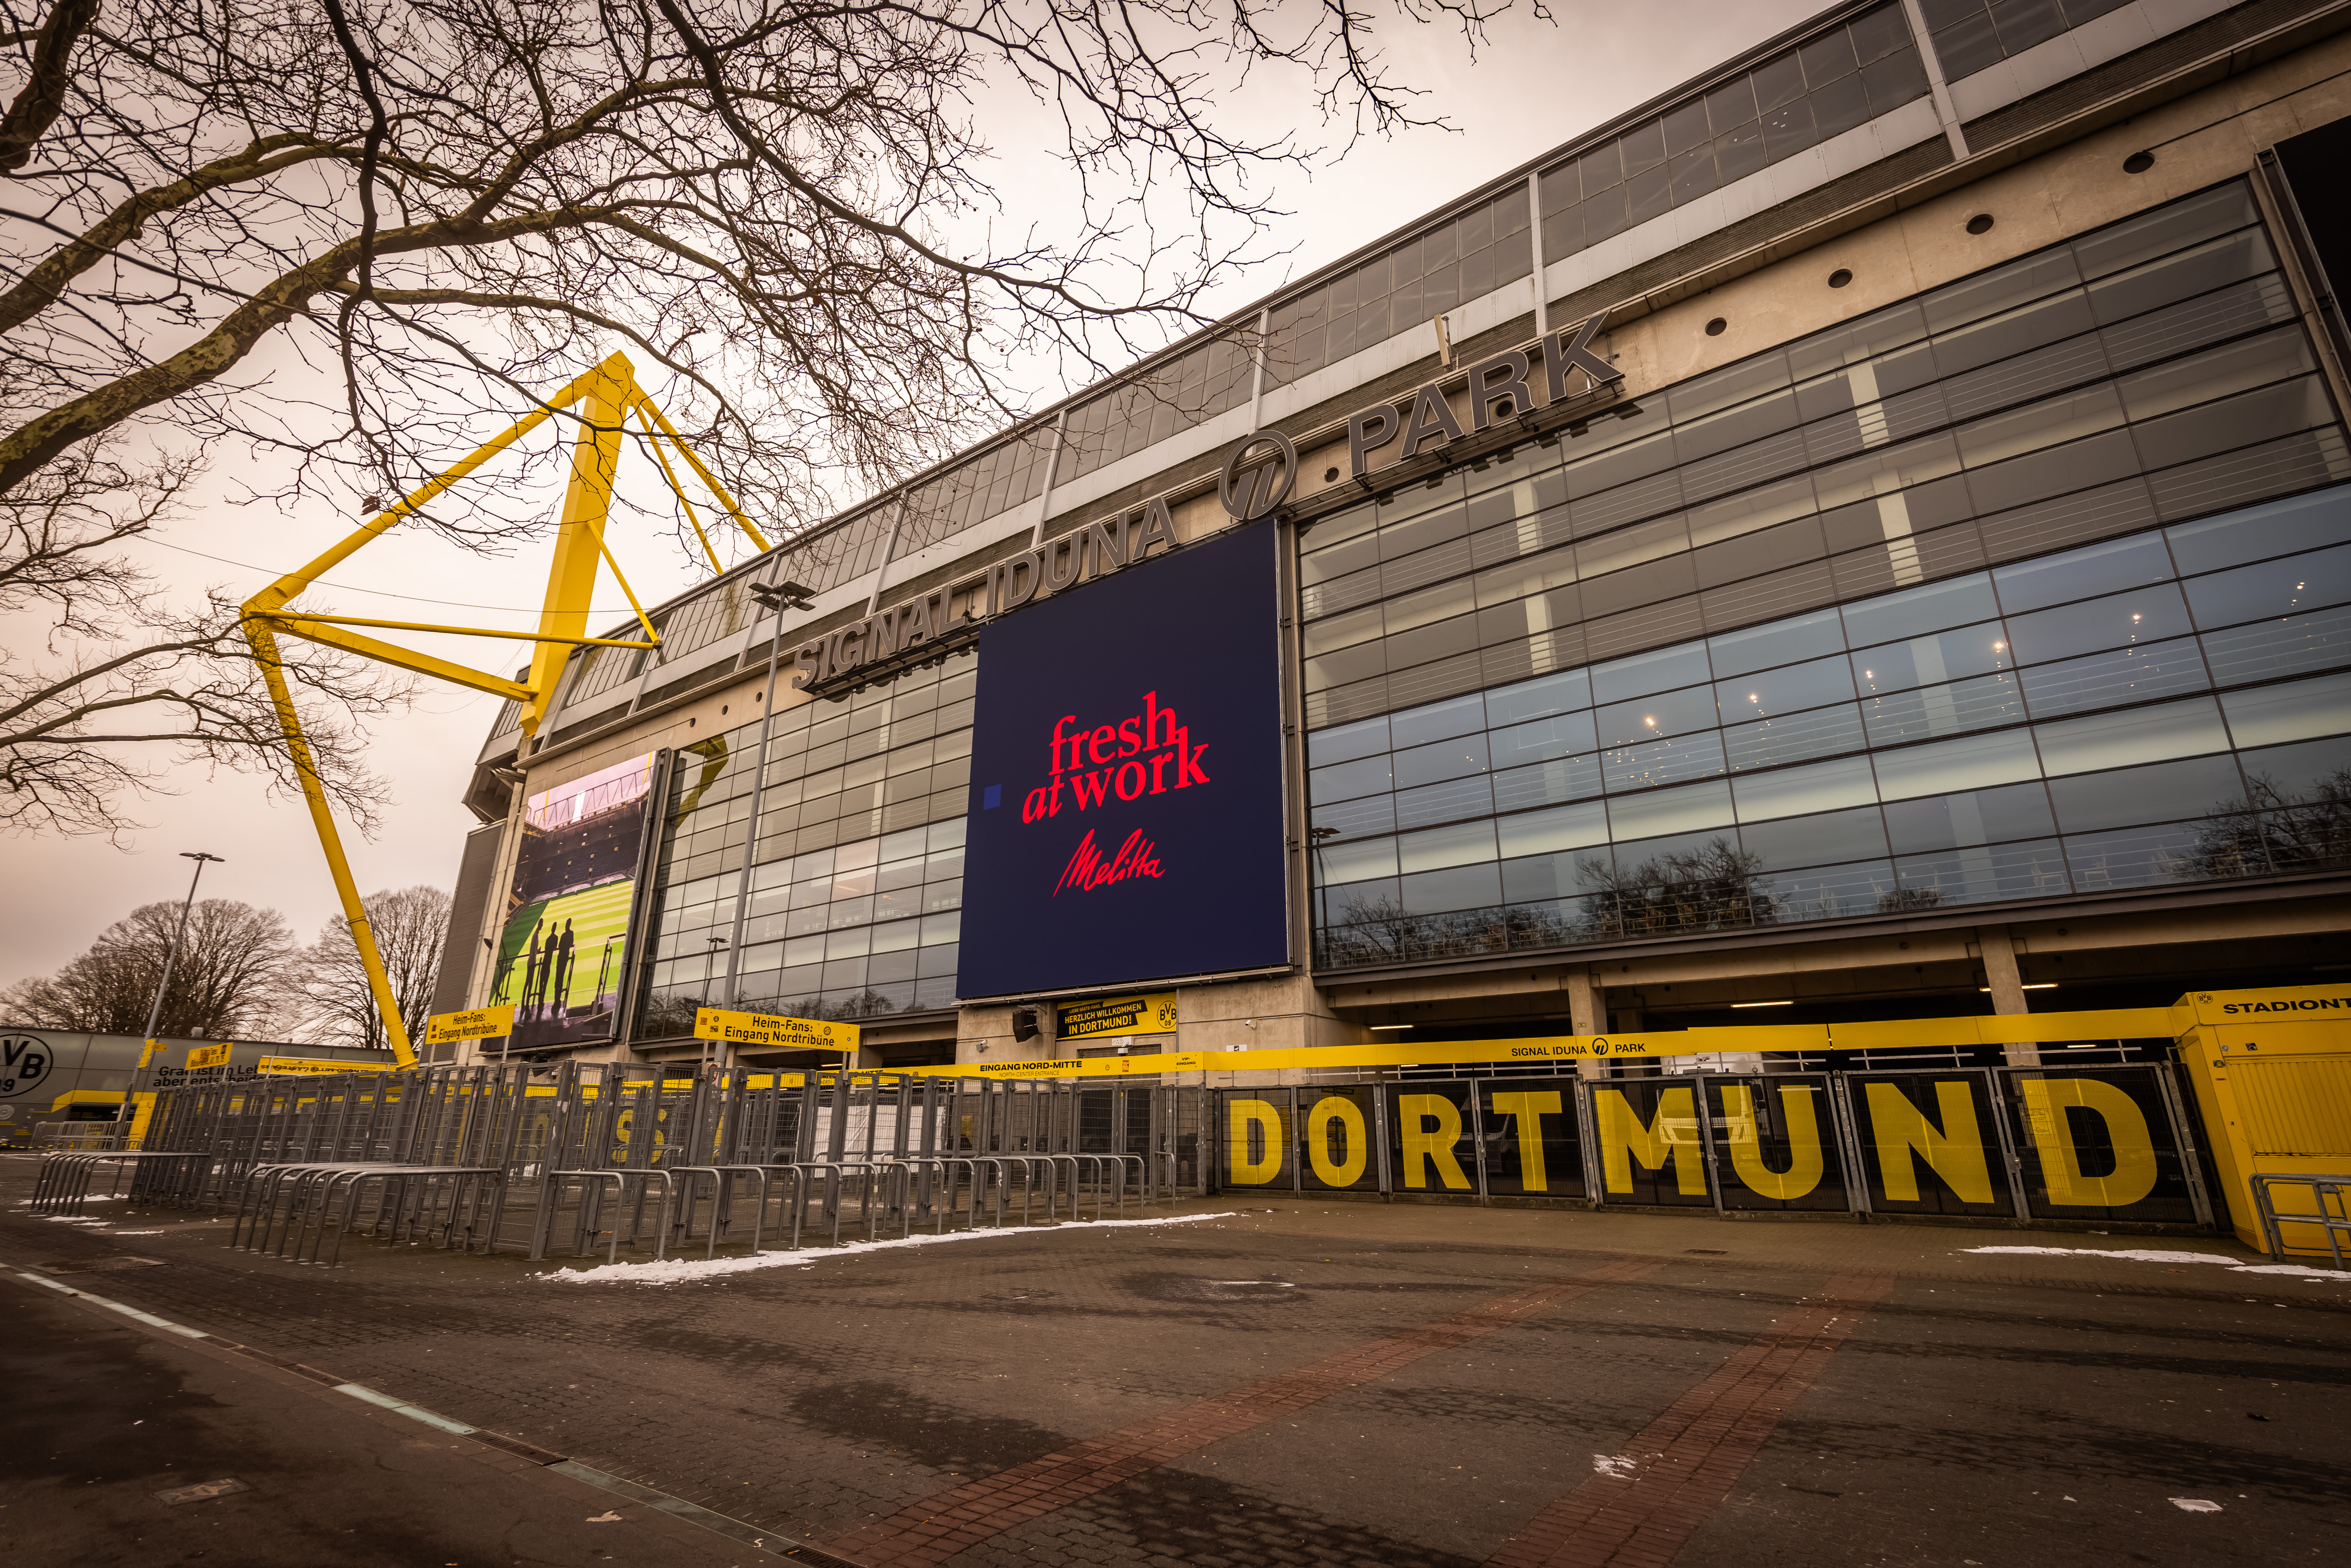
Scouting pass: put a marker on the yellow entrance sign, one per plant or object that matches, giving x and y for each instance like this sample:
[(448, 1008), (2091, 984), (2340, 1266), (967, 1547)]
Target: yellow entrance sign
[(472, 1024), (771, 1031), (208, 1055), (1153, 1014)]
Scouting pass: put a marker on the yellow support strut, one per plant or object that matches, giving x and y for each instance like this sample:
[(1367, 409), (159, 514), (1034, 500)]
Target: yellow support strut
[(609, 392)]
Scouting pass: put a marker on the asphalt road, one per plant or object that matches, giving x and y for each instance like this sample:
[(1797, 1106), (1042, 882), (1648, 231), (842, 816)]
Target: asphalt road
[(1303, 1382)]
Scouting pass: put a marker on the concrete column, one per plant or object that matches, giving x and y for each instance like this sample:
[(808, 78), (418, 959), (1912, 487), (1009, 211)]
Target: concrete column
[(2007, 987), (1587, 1012)]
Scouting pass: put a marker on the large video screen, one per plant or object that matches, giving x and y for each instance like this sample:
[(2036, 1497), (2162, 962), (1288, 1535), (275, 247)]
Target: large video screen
[(1126, 815), (565, 948)]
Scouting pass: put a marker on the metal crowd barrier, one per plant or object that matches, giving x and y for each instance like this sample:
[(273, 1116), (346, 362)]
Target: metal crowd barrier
[(574, 1160), (2334, 1222)]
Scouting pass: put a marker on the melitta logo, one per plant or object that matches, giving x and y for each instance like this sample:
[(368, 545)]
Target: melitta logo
[(1147, 753), (1088, 870)]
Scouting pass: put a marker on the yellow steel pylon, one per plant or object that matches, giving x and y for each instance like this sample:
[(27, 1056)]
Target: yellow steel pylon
[(610, 393)]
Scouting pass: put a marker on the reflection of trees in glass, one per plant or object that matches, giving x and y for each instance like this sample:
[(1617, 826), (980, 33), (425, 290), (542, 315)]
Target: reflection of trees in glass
[(1715, 887), (1376, 929), (2267, 829), (1903, 900)]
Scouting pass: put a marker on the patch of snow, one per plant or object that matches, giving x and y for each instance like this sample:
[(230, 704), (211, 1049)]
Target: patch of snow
[(2142, 1254), (2195, 1505), (1616, 1467), (685, 1270)]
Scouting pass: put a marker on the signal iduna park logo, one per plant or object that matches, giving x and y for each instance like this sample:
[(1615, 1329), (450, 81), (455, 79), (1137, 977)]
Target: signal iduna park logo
[(1126, 808)]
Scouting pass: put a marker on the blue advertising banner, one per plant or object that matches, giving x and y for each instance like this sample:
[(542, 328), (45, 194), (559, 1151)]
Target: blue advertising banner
[(1126, 817)]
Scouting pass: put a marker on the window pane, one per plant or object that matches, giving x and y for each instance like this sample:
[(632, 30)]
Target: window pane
[(2138, 857), (1547, 832), (1816, 732), (1970, 817), (1654, 717), (2134, 735), (2272, 588), (1456, 717), (1447, 759), (1814, 841), (2168, 228), (1567, 779), (1451, 801), (1369, 776), (1562, 735), (1826, 58), (1347, 741), (1661, 762), (1666, 668), (2141, 615), (1971, 764), (2297, 524), (2030, 870), (1553, 693), (1339, 862), (2290, 645), (2300, 710), (1950, 708), (1793, 792), (1940, 656), (1777, 81), (1467, 887), (1840, 105), (1441, 847), (1644, 147), (2092, 801), (1777, 692), (1778, 643), (1687, 810), (2078, 574), (2138, 673)]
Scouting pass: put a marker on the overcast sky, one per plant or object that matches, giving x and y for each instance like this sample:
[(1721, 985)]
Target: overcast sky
[(1535, 86)]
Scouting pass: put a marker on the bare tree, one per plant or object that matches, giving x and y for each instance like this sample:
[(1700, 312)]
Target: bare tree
[(426, 214), (225, 982), (778, 206), (328, 992), (126, 689)]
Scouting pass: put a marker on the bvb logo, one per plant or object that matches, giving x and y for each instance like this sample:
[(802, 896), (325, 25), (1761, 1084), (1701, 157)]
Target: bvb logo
[(1258, 476), (23, 1062)]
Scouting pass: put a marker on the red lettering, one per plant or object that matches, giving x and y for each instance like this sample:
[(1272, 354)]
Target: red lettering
[(1129, 759), (1188, 765), (1152, 713), (1086, 870)]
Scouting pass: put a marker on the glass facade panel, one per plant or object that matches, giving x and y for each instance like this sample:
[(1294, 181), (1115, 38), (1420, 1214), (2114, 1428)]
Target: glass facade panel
[(1840, 79), (854, 863), (2103, 703), (1970, 34)]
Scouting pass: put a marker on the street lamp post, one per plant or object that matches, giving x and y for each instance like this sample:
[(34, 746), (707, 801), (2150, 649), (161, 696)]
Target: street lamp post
[(170, 957)]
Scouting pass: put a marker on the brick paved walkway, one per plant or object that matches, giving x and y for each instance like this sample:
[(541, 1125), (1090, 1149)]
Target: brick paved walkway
[(1323, 1383)]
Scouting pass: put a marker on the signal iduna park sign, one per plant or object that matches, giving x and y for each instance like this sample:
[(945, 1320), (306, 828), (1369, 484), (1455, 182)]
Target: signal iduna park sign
[(1127, 807)]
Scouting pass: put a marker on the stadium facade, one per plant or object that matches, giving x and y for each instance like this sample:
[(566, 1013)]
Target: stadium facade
[(1866, 534)]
